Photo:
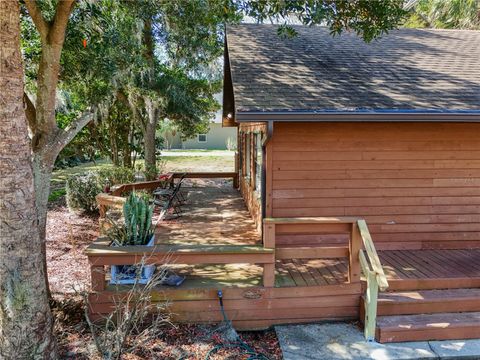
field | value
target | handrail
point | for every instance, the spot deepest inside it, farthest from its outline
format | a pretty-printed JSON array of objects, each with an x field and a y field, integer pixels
[
  {"x": 375, "y": 276},
  {"x": 372, "y": 255},
  {"x": 151, "y": 185}
]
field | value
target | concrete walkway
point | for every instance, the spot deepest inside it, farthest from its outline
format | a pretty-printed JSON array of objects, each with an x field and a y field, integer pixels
[{"x": 332, "y": 341}]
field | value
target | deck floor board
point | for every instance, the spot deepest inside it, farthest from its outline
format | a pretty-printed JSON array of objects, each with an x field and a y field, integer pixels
[
  {"x": 210, "y": 215},
  {"x": 430, "y": 264}
]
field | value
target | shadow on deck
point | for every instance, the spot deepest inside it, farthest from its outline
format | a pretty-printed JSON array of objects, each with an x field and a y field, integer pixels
[{"x": 211, "y": 216}]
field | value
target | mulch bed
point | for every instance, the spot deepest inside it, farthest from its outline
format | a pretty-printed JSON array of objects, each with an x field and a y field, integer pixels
[{"x": 68, "y": 235}]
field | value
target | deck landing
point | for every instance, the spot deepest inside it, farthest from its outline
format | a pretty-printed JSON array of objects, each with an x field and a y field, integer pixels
[{"x": 211, "y": 216}]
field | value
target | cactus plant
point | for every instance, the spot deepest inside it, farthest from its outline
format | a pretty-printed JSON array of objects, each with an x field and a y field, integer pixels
[{"x": 138, "y": 229}]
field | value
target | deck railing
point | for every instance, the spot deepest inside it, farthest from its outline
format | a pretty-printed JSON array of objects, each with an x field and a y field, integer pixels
[
  {"x": 375, "y": 278},
  {"x": 361, "y": 253},
  {"x": 116, "y": 200},
  {"x": 101, "y": 254}
]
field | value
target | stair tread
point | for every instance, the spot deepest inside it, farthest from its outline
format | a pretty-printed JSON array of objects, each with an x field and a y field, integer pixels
[
  {"x": 428, "y": 295},
  {"x": 428, "y": 321}
]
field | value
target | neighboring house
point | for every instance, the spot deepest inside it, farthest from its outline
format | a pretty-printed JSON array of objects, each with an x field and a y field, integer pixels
[
  {"x": 217, "y": 138},
  {"x": 388, "y": 132}
]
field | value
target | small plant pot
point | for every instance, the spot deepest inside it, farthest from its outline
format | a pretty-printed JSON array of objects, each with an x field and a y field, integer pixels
[{"x": 131, "y": 274}]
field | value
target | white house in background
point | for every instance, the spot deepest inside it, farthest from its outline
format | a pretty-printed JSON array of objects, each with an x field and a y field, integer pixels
[{"x": 217, "y": 138}]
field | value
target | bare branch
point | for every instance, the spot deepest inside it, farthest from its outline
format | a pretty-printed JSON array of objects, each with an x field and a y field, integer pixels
[
  {"x": 31, "y": 113},
  {"x": 41, "y": 24},
  {"x": 75, "y": 127},
  {"x": 60, "y": 21}
]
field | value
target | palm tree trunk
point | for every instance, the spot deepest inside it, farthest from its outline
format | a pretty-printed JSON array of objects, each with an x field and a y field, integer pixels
[{"x": 25, "y": 317}]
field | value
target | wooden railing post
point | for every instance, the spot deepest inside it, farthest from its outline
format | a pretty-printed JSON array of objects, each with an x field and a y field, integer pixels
[
  {"x": 269, "y": 275},
  {"x": 97, "y": 274},
  {"x": 355, "y": 246},
  {"x": 269, "y": 236},
  {"x": 269, "y": 242},
  {"x": 235, "y": 177},
  {"x": 371, "y": 296}
]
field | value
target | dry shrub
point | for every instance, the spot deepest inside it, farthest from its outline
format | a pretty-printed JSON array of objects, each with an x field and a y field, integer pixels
[{"x": 133, "y": 322}]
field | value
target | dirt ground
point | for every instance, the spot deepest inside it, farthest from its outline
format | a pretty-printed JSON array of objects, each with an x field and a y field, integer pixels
[{"x": 68, "y": 234}]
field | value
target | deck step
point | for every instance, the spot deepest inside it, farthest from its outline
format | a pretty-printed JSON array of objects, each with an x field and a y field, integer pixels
[
  {"x": 433, "y": 283},
  {"x": 422, "y": 327},
  {"x": 428, "y": 301}
]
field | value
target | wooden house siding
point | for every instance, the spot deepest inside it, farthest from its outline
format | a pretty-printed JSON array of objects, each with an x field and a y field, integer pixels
[
  {"x": 416, "y": 184},
  {"x": 251, "y": 196}
]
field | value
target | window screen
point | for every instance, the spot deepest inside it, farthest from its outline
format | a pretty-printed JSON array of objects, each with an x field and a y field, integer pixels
[
  {"x": 248, "y": 154},
  {"x": 258, "y": 161}
]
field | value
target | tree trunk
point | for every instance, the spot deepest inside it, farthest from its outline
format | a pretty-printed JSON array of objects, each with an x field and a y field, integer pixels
[
  {"x": 25, "y": 318},
  {"x": 151, "y": 107},
  {"x": 127, "y": 155},
  {"x": 42, "y": 169},
  {"x": 149, "y": 140}
]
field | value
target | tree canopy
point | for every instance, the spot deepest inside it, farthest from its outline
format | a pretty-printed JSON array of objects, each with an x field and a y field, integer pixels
[{"x": 441, "y": 14}]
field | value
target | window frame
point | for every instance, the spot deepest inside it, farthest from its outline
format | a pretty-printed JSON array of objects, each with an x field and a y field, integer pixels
[
  {"x": 198, "y": 138},
  {"x": 248, "y": 155},
  {"x": 258, "y": 151}
]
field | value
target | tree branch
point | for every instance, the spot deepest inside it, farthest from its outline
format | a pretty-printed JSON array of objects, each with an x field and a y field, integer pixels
[
  {"x": 41, "y": 24},
  {"x": 74, "y": 128},
  {"x": 31, "y": 113},
  {"x": 60, "y": 21}
]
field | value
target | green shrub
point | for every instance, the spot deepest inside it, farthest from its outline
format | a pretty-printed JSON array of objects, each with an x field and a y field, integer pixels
[
  {"x": 81, "y": 189},
  {"x": 115, "y": 175}
]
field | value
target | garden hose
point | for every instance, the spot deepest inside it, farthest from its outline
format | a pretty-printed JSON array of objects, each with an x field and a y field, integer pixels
[{"x": 239, "y": 343}]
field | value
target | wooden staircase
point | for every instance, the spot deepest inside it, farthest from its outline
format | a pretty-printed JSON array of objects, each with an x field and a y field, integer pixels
[{"x": 428, "y": 315}]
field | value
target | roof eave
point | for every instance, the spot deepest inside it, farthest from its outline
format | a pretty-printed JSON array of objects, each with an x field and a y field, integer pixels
[{"x": 360, "y": 116}]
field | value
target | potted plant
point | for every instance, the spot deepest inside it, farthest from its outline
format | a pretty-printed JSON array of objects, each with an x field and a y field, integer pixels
[{"x": 135, "y": 230}]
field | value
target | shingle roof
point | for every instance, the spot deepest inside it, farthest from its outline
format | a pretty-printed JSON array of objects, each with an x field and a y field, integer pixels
[{"x": 406, "y": 70}]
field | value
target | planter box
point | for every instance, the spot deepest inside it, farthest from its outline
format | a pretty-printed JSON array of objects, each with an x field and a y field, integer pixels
[{"x": 131, "y": 274}]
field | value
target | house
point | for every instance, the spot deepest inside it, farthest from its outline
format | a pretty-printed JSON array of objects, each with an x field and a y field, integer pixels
[
  {"x": 217, "y": 137},
  {"x": 387, "y": 132},
  {"x": 358, "y": 173}
]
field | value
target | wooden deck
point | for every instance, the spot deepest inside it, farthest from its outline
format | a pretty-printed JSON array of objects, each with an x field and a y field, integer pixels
[
  {"x": 302, "y": 290},
  {"x": 215, "y": 222},
  {"x": 212, "y": 215}
]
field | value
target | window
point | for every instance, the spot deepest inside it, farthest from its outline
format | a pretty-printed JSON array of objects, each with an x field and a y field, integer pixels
[
  {"x": 202, "y": 137},
  {"x": 240, "y": 155},
  {"x": 248, "y": 154},
  {"x": 258, "y": 161}
]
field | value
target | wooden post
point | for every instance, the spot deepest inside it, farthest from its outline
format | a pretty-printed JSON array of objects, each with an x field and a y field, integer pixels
[
  {"x": 269, "y": 242},
  {"x": 102, "y": 209},
  {"x": 371, "y": 297},
  {"x": 235, "y": 178},
  {"x": 354, "y": 251},
  {"x": 97, "y": 274},
  {"x": 269, "y": 236},
  {"x": 269, "y": 275}
]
